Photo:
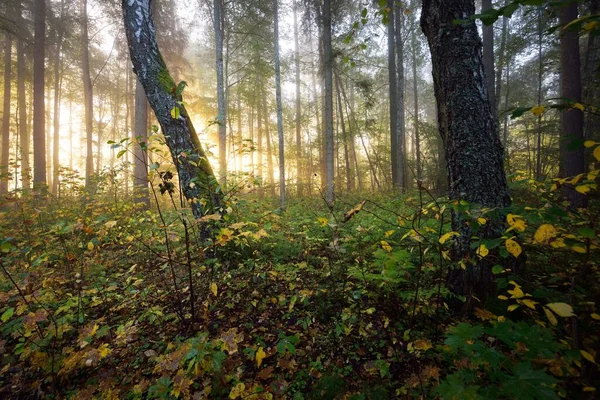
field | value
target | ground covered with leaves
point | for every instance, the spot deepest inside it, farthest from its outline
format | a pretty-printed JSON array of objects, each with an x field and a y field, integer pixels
[{"x": 99, "y": 299}]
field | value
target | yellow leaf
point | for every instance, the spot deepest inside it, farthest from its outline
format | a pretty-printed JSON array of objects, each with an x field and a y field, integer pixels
[
  {"x": 582, "y": 188},
  {"x": 537, "y": 110},
  {"x": 103, "y": 350},
  {"x": 595, "y": 316},
  {"x": 213, "y": 289},
  {"x": 550, "y": 316},
  {"x": 590, "y": 25},
  {"x": 516, "y": 222},
  {"x": 513, "y": 307},
  {"x": 561, "y": 309},
  {"x": 389, "y": 233},
  {"x": 422, "y": 344},
  {"x": 482, "y": 251},
  {"x": 579, "y": 249},
  {"x": 529, "y": 303},
  {"x": 579, "y": 106},
  {"x": 544, "y": 234},
  {"x": 513, "y": 247},
  {"x": 444, "y": 238},
  {"x": 90, "y": 246},
  {"x": 386, "y": 246},
  {"x": 597, "y": 153},
  {"x": 588, "y": 356},
  {"x": 322, "y": 221},
  {"x": 482, "y": 221},
  {"x": 589, "y": 143},
  {"x": 237, "y": 391},
  {"x": 589, "y": 389},
  {"x": 260, "y": 356},
  {"x": 175, "y": 113},
  {"x": 502, "y": 297}
]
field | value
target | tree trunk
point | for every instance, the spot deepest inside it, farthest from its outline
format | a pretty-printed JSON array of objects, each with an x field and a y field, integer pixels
[
  {"x": 416, "y": 106},
  {"x": 140, "y": 153},
  {"x": 298, "y": 118},
  {"x": 196, "y": 178},
  {"x": 39, "y": 106},
  {"x": 23, "y": 126},
  {"x": 393, "y": 94},
  {"x": 488, "y": 57},
  {"x": 572, "y": 159},
  {"x": 538, "y": 162},
  {"x": 259, "y": 140},
  {"x": 468, "y": 129},
  {"x": 282, "y": 198},
  {"x": 400, "y": 114},
  {"x": 4, "y": 171},
  {"x": 349, "y": 171},
  {"x": 222, "y": 117},
  {"x": 328, "y": 109},
  {"x": 591, "y": 79},
  {"x": 88, "y": 96},
  {"x": 57, "y": 99},
  {"x": 501, "y": 62}
]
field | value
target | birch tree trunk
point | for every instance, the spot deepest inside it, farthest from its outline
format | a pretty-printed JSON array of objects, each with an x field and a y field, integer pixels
[
  {"x": 196, "y": 178},
  {"x": 222, "y": 117}
]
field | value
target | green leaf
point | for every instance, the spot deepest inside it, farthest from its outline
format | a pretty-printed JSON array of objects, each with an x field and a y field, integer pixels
[
  {"x": 175, "y": 113},
  {"x": 7, "y": 314}
]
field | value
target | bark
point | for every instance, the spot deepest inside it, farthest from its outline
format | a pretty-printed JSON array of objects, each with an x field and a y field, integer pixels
[
  {"x": 538, "y": 163},
  {"x": 591, "y": 79},
  {"x": 466, "y": 124},
  {"x": 222, "y": 116},
  {"x": 88, "y": 96},
  {"x": 282, "y": 198},
  {"x": 259, "y": 141},
  {"x": 501, "y": 62},
  {"x": 39, "y": 107},
  {"x": 328, "y": 109},
  {"x": 400, "y": 114},
  {"x": 393, "y": 95},
  {"x": 572, "y": 159},
  {"x": 196, "y": 178},
  {"x": 349, "y": 171},
  {"x": 488, "y": 56},
  {"x": 416, "y": 106},
  {"x": 298, "y": 118},
  {"x": 141, "y": 193},
  {"x": 57, "y": 99},
  {"x": 23, "y": 126},
  {"x": 4, "y": 171}
]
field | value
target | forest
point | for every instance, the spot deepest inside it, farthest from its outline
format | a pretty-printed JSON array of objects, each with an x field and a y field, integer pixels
[{"x": 299, "y": 199}]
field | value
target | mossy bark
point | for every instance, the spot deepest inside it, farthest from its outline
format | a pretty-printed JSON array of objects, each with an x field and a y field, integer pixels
[
  {"x": 196, "y": 177},
  {"x": 474, "y": 154}
]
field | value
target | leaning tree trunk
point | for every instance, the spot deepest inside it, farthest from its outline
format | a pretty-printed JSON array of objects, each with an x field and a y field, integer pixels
[
  {"x": 467, "y": 127},
  {"x": 196, "y": 177}
]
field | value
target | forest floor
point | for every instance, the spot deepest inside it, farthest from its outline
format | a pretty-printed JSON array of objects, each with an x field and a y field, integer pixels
[{"x": 99, "y": 299}]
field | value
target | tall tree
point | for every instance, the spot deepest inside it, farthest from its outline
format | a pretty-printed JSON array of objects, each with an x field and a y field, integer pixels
[
  {"x": 24, "y": 137},
  {"x": 39, "y": 106},
  {"x": 279, "y": 107},
  {"x": 472, "y": 145},
  {"x": 488, "y": 56},
  {"x": 400, "y": 114},
  {"x": 328, "y": 101},
  {"x": 298, "y": 117},
  {"x": 571, "y": 151},
  {"x": 415, "y": 47},
  {"x": 196, "y": 177},
  {"x": 88, "y": 94},
  {"x": 6, "y": 115},
  {"x": 393, "y": 93},
  {"x": 57, "y": 98},
  {"x": 218, "y": 24}
]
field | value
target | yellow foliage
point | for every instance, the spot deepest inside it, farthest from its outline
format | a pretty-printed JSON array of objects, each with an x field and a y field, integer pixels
[
  {"x": 538, "y": 110},
  {"x": 561, "y": 309},
  {"x": 516, "y": 222},
  {"x": 544, "y": 234},
  {"x": 260, "y": 356},
  {"x": 444, "y": 238},
  {"x": 482, "y": 251},
  {"x": 513, "y": 247}
]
